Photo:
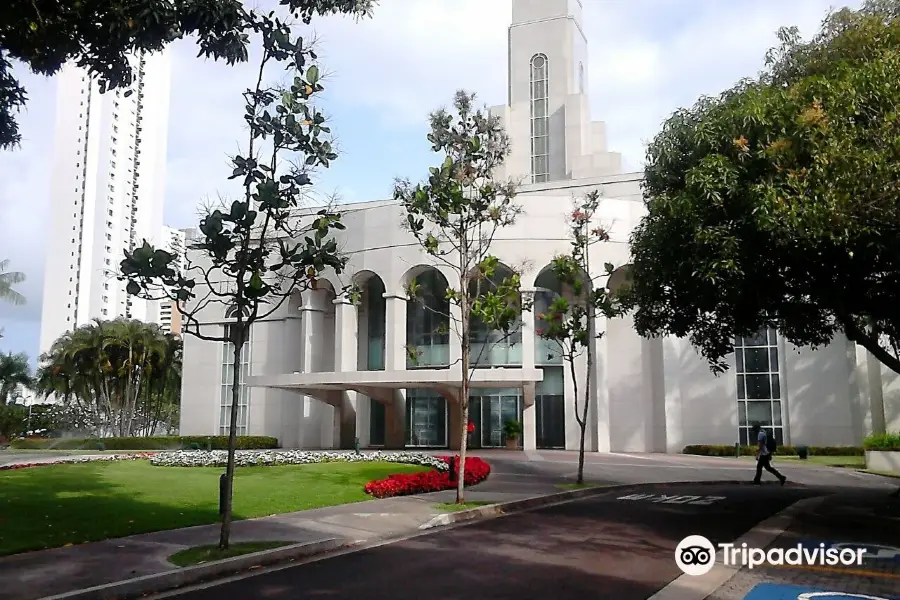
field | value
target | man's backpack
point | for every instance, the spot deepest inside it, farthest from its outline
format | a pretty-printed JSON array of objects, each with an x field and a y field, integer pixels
[{"x": 771, "y": 444}]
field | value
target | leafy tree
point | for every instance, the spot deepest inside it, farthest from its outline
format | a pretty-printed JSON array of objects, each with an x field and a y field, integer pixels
[
  {"x": 7, "y": 280},
  {"x": 13, "y": 420},
  {"x": 263, "y": 247},
  {"x": 777, "y": 203},
  {"x": 14, "y": 371},
  {"x": 455, "y": 215},
  {"x": 120, "y": 377},
  {"x": 571, "y": 318},
  {"x": 101, "y": 35}
]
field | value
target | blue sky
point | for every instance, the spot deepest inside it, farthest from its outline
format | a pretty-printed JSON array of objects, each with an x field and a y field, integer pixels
[{"x": 647, "y": 58}]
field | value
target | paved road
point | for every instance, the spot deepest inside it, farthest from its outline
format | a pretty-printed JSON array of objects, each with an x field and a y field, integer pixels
[
  {"x": 542, "y": 467},
  {"x": 7, "y": 458},
  {"x": 601, "y": 547}
]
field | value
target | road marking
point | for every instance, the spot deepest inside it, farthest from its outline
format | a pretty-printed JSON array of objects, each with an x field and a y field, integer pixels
[
  {"x": 664, "y": 499},
  {"x": 636, "y": 456}
]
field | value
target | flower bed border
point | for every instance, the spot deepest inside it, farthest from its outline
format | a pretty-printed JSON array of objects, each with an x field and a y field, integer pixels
[
  {"x": 75, "y": 460},
  {"x": 267, "y": 458}
]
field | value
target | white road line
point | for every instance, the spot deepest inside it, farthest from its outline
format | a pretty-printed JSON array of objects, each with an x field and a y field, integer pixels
[{"x": 626, "y": 454}]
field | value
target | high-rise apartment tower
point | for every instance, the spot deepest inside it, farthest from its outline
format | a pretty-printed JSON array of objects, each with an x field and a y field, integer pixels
[{"x": 107, "y": 193}]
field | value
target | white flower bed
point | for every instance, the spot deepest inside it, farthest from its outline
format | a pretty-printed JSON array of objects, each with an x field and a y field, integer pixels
[{"x": 252, "y": 458}]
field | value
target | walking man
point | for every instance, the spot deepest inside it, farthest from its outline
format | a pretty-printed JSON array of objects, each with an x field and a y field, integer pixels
[{"x": 764, "y": 451}]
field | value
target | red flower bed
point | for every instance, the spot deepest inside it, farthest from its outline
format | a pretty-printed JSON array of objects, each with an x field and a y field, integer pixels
[{"x": 405, "y": 484}]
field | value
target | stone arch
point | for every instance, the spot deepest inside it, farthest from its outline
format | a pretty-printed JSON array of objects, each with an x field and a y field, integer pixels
[
  {"x": 294, "y": 304},
  {"x": 427, "y": 318},
  {"x": 416, "y": 270},
  {"x": 619, "y": 279},
  {"x": 546, "y": 275},
  {"x": 231, "y": 311}
]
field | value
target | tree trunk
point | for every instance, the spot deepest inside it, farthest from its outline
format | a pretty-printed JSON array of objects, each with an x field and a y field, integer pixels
[
  {"x": 464, "y": 344},
  {"x": 584, "y": 417},
  {"x": 463, "y": 435},
  {"x": 238, "y": 338},
  {"x": 590, "y": 315}
]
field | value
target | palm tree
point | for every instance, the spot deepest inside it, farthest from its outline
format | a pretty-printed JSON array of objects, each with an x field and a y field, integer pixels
[
  {"x": 7, "y": 280},
  {"x": 14, "y": 371},
  {"x": 123, "y": 376}
]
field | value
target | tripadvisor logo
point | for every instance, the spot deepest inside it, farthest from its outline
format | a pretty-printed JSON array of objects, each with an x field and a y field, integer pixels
[{"x": 695, "y": 555}]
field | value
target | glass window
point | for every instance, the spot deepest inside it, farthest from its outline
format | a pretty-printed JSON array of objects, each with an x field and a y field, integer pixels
[
  {"x": 540, "y": 94},
  {"x": 427, "y": 322},
  {"x": 226, "y": 388},
  {"x": 758, "y": 385},
  {"x": 375, "y": 321}
]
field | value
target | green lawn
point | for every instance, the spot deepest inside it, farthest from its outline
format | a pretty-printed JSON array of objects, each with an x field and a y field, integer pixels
[
  {"x": 203, "y": 554},
  {"x": 48, "y": 507},
  {"x": 856, "y": 462}
]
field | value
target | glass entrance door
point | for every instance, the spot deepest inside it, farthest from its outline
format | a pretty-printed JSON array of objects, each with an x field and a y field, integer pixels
[
  {"x": 551, "y": 421},
  {"x": 491, "y": 412},
  {"x": 426, "y": 420}
]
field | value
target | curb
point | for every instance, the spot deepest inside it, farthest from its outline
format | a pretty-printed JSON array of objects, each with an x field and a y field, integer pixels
[
  {"x": 502, "y": 508},
  {"x": 167, "y": 580}
]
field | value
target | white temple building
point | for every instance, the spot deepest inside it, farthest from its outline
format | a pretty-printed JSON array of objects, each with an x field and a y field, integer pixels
[{"x": 322, "y": 372}]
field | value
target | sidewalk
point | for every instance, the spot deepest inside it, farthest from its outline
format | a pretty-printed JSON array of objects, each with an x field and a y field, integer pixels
[
  {"x": 43, "y": 573},
  {"x": 865, "y": 519}
]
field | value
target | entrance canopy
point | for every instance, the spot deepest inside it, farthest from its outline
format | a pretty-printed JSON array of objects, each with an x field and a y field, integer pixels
[{"x": 445, "y": 381}]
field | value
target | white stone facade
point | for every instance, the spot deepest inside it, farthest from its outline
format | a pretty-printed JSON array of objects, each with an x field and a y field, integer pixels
[
  {"x": 107, "y": 193},
  {"x": 322, "y": 373}
]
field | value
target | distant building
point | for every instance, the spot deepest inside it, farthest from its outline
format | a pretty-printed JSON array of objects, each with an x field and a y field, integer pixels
[
  {"x": 107, "y": 193},
  {"x": 174, "y": 241}
]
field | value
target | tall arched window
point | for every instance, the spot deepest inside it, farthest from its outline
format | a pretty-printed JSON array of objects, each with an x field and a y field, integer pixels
[
  {"x": 580, "y": 78},
  {"x": 540, "y": 121},
  {"x": 228, "y": 368}
]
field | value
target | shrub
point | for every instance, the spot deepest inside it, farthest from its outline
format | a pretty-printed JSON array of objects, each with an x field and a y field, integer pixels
[
  {"x": 405, "y": 484},
  {"x": 218, "y": 442},
  {"x": 882, "y": 441},
  {"x": 722, "y": 450}
]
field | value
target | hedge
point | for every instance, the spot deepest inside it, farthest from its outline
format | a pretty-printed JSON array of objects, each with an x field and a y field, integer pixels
[
  {"x": 173, "y": 442},
  {"x": 882, "y": 441},
  {"x": 713, "y": 450}
]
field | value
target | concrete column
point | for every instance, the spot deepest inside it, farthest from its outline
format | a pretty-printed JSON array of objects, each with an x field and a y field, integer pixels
[
  {"x": 345, "y": 351},
  {"x": 455, "y": 342},
  {"x": 528, "y": 331},
  {"x": 529, "y": 419},
  {"x": 395, "y": 360},
  {"x": 312, "y": 326},
  {"x": 529, "y": 425}
]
